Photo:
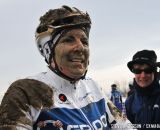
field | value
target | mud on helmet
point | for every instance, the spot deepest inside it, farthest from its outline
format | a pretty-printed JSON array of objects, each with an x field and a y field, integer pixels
[{"x": 53, "y": 23}]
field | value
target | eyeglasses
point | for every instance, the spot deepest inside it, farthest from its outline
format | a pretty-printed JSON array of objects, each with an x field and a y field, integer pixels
[{"x": 146, "y": 70}]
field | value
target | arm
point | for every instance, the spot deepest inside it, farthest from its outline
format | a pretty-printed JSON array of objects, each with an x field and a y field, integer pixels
[{"x": 22, "y": 104}]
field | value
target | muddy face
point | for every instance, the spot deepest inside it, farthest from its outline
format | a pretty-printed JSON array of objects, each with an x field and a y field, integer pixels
[{"x": 72, "y": 53}]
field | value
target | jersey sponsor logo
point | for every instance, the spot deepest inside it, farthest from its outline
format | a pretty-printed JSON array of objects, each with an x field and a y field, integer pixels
[
  {"x": 62, "y": 97},
  {"x": 98, "y": 124}
]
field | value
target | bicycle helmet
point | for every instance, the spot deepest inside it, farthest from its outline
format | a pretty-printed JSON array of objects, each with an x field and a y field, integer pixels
[{"x": 53, "y": 23}]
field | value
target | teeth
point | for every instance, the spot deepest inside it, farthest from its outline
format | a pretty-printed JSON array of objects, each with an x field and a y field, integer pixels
[{"x": 76, "y": 60}]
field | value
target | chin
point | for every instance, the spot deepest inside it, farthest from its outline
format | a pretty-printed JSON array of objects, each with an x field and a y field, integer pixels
[
  {"x": 77, "y": 76},
  {"x": 144, "y": 85}
]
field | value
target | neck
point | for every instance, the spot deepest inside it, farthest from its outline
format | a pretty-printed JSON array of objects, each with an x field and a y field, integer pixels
[
  {"x": 58, "y": 72},
  {"x": 146, "y": 90}
]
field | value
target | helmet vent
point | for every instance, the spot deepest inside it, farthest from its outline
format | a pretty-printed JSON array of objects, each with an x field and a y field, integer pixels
[{"x": 67, "y": 8}]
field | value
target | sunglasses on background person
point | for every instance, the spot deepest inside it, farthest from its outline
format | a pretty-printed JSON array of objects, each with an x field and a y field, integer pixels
[{"x": 146, "y": 70}]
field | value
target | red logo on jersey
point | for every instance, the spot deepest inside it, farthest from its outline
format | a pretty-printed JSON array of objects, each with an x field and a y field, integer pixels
[{"x": 62, "y": 97}]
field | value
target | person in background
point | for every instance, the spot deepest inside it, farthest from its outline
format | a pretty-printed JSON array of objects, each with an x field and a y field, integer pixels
[
  {"x": 116, "y": 97},
  {"x": 143, "y": 106},
  {"x": 62, "y": 97}
]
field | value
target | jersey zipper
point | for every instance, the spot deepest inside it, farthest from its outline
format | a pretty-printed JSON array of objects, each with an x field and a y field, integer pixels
[{"x": 74, "y": 103}]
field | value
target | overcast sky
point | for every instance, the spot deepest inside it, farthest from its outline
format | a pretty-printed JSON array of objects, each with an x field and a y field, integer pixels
[{"x": 119, "y": 29}]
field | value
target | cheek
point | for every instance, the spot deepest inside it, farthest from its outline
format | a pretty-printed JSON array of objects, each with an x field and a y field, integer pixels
[
  {"x": 86, "y": 52},
  {"x": 152, "y": 77},
  {"x": 137, "y": 78},
  {"x": 59, "y": 54}
]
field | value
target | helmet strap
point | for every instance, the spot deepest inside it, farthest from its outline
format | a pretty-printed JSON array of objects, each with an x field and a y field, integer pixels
[{"x": 58, "y": 72}]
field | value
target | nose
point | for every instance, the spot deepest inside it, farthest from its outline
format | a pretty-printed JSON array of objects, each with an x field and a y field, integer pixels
[
  {"x": 143, "y": 74},
  {"x": 79, "y": 45}
]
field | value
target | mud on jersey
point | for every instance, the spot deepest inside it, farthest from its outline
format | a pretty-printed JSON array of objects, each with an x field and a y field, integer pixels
[
  {"x": 48, "y": 97},
  {"x": 79, "y": 106},
  {"x": 22, "y": 103}
]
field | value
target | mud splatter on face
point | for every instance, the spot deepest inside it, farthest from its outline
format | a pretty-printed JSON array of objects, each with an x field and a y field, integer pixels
[{"x": 72, "y": 53}]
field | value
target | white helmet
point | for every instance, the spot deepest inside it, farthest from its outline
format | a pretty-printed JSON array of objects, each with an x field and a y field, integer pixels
[{"x": 53, "y": 23}]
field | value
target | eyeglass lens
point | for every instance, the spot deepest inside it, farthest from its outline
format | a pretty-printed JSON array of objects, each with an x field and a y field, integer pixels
[{"x": 139, "y": 71}]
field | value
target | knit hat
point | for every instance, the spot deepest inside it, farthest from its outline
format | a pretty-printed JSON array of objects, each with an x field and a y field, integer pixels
[
  {"x": 113, "y": 86},
  {"x": 143, "y": 57}
]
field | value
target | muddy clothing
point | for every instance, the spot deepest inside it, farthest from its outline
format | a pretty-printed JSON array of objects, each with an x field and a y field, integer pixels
[
  {"x": 79, "y": 105},
  {"x": 143, "y": 107},
  {"x": 22, "y": 103}
]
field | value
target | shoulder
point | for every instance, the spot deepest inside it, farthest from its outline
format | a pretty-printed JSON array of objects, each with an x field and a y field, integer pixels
[
  {"x": 89, "y": 80},
  {"x": 40, "y": 76},
  {"x": 27, "y": 84},
  {"x": 93, "y": 84},
  {"x": 118, "y": 92},
  {"x": 129, "y": 100},
  {"x": 29, "y": 91}
]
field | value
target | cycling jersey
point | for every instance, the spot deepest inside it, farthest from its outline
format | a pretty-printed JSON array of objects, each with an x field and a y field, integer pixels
[{"x": 78, "y": 105}]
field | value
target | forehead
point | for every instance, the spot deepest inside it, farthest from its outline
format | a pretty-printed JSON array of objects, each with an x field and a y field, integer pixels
[
  {"x": 141, "y": 66},
  {"x": 76, "y": 33}
]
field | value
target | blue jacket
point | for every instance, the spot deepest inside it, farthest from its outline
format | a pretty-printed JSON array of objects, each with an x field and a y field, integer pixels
[
  {"x": 116, "y": 98},
  {"x": 143, "y": 107}
]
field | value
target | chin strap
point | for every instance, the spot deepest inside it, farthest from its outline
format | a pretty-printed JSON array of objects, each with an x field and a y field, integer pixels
[{"x": 58, "y": 72}]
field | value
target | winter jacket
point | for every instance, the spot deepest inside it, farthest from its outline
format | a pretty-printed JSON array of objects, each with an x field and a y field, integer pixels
[{"x": 143, "y": 106}]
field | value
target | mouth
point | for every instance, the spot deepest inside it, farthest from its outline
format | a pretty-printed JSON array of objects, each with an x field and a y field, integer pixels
[
  {"x": 77, "y": 60},
  {"x": 143, "y": 80}
]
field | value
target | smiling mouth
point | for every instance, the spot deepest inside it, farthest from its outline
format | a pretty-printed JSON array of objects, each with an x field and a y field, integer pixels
[
  {"x": 77, "y": 60},
  {"x": 143, "y": 80}
]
